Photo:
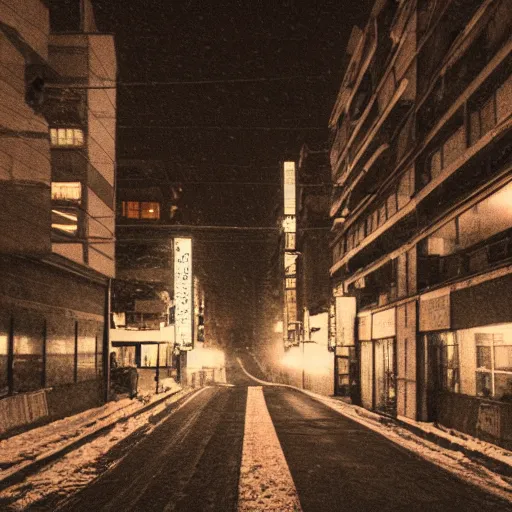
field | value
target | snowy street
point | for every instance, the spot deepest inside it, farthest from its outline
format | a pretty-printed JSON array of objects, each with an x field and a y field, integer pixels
[{"x": 255, "y": 447}]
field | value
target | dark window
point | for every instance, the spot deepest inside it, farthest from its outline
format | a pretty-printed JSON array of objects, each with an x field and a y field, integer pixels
[
  {"x": 445, "y": 359},
  {"x": 493, "y": 366},
  {"x": 65, "y": 16}
]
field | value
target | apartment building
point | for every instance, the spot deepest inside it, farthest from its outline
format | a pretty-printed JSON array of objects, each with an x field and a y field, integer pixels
[
  {"x": 57, "y": 152},
  {"x": 422, "y": 213}
]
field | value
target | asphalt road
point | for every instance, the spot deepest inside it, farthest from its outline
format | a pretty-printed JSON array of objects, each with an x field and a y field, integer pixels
[{"x": 191, "y": 462}]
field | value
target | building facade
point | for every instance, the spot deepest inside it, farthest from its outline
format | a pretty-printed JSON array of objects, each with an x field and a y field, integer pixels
[
  {"x": 313, "y": 284},
  {"x": 158, "y": 302},
  {"x": 57, "y": 152},
  {"x": 422, "y": 213},
  {"x": 301, "y": 357}
]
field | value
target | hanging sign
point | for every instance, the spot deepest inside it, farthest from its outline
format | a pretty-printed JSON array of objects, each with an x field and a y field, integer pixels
[
  {"x": 289, "y": 188},
  {"x": 345, "y": 321},
  {"x": 435, "y": 312},
  {"x": 183, "y": 293},
  {"x": 383, "y": 324}
]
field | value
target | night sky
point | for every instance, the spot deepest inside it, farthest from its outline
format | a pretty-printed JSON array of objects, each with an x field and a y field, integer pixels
[{"x": 225, "y": 90}]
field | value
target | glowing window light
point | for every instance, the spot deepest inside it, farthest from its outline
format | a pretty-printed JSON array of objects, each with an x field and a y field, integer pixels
[
  {"x": 65, "y": 221},
  {"x": 67, "y": 191},
  {"x": 147, "y": 210},
  {"x": 67, "y": 137}
]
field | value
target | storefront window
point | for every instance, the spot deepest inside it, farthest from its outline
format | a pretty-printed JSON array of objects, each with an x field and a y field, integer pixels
[
  {"x": 28, "y": 351},
  {"x": 60, "y": 351},
  {"x": 99, "y": 348},
  {"x": 449, "y": 361},
  {"x": 444, "y": 361},
  {"x": 125, "y": 355},
  {"x": 494, "y": 366},
  {"x": 385, "y": 375},
  {"x": 86, "y": 351},
  {"x": 149, "y": 354}
]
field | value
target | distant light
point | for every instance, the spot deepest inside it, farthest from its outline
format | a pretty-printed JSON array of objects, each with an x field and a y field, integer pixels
[{"x": 151, "y": 210}]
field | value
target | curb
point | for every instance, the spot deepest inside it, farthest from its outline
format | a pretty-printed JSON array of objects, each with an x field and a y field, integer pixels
[
  {"x": 20, "y": 472},
  {"x": 491, "y": 463},
  {"x": 495, "y": 465}
]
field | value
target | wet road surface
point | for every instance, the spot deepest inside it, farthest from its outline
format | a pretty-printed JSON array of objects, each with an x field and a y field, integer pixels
[{"x": 191, "y": 462}]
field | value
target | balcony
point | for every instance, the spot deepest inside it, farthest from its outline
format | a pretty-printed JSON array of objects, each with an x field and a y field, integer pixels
[
  {"x": 133, "y": 326},
  {"x": 149, "y": 275},
  {"x": 434, "y": 270}
]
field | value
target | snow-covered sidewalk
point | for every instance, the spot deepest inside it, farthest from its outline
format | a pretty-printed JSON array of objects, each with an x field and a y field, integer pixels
[{"x": 22, "y": 450}]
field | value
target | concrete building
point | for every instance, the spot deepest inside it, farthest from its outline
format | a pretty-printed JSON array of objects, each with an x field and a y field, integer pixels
[
  {"x": 146, "y": 302},
  {"x": 57, "y": 154},
  {"x": 422, "y": 213},
  {"x": 313, "y": 285},
  {"x": 296, "y": 297}
]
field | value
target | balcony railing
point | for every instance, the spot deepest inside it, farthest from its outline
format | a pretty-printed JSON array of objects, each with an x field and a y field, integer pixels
[
  {"x": 434, "y": 270},
  {"x": 142, "y": 321}
]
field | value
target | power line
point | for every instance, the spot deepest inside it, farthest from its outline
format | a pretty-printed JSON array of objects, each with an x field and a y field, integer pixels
[
  {"x": 158, "y": 83},
  {"x": 232, "y": 182},
  {"x": 216, "y": 127},
  {"x": 182, "y": 227}
]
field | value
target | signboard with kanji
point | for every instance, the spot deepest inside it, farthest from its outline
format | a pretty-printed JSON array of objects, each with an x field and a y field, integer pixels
[{"x": 183, "y": 293}]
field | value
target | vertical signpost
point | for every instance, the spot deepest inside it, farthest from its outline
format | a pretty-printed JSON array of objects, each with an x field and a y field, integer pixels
[{"x": 183, "y": 293}]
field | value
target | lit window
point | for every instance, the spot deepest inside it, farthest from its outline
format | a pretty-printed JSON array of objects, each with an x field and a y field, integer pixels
[
  {"x": 290, "y": 241},
  {"x": 493, "y": 366},
  {"x": 149, "y": 210},
  {"x": 291, "y": 282},
  {"x": 149, "y": 355},
  {"x": 67, "y": 137},
  {"x": 67, "y": 191},
  {"x": 141, "y": 210},
  {"x": 65, "y": 221}
]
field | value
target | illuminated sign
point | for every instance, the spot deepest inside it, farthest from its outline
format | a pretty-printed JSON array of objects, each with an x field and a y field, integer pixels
[
  {"x": 183, "y": 293},
  {"x": 290, "y": 224},
  {"x": 345, "y": 321},
  {"x": 290, "y": 264},
  {"x": 289, "y": 188}
]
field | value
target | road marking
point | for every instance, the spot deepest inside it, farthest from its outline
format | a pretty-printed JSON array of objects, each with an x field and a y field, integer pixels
[{"x": 265, "y": 479}]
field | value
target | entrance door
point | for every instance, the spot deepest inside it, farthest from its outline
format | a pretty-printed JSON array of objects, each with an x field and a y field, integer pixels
[{"x": 385, "y": 376}]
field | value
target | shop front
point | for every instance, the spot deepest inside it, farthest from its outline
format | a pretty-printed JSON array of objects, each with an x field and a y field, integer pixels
[
  {"x": 384, "y": 361},
  {"x": 466, "y": 340},
  {"x": 345, "y": 357},
  {"x": 377, "y": 348}
]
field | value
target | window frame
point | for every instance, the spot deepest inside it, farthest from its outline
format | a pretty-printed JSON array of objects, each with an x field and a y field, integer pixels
[
  {"x": 75, "y": 134},
  {"x": 496, "y": 340},
  {"x": 134, "y": 210}
]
